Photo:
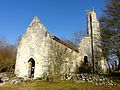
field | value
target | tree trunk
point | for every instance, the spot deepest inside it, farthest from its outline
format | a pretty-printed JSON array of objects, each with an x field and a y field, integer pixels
[
  {"x": 108, "y": 66},
  {"x": 118, "y": 55}
]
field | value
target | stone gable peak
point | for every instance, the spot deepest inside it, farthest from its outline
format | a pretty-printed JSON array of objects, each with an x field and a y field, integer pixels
[
  {"x": 36, "y": 24},
  {"x": 35, "y": 20}
]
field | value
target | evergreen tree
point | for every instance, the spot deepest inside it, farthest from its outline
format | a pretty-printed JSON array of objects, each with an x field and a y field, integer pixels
[{"x": 110, "y": 27}]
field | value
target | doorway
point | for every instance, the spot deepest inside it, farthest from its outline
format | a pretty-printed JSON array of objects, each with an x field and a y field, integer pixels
[{"x": 31, "y": 68}]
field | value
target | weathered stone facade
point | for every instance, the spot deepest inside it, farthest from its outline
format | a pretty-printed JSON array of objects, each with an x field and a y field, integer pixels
[
  {"x": 34, "y": 49},
  {"x": 33, "y": 44},
  {"x": 85, "y": 44}
]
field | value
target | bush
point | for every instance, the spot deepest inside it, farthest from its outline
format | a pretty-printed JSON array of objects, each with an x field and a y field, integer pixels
[
  {"x": 85, "y": 68},
  {"x": 7, "y": 57}
]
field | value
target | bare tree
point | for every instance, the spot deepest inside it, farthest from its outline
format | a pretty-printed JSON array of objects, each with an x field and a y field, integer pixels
[
  {"x": 57, "y": 56},
  {"x": 7, "y": 56},
  {"x": 60, "y": 61},
  {"x": 77, "y": 37}
]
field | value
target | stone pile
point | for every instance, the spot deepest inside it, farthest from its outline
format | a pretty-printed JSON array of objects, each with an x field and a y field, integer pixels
[
  {"x": 5, "y": 79},
  {"x": 97, "y": 79},
  {"x": 16, "y": 80}
]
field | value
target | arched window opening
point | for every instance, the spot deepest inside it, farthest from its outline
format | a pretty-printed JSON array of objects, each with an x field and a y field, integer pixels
[{"x": 85, "y": 59}]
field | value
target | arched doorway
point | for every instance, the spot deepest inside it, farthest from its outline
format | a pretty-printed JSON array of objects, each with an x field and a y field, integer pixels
[
  {"x": 85, "y": 59},
  {"x": 31, "y": 68}
]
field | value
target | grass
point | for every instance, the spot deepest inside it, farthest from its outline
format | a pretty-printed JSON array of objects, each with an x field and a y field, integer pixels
[{"x": 43, "y": 85}]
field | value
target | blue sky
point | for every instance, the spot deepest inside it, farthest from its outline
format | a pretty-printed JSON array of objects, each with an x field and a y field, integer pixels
[{"x": 61, "y": 17}]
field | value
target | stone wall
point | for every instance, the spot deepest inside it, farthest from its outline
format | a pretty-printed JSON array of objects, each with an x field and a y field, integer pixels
[
  {"x": 36, "y": 44},
  {"x": 33, "y": 44},
  {"x": 85, "y": 44}
]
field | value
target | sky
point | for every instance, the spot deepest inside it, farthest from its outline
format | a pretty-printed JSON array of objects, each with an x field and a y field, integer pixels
[{"x": 61, "y": 17}]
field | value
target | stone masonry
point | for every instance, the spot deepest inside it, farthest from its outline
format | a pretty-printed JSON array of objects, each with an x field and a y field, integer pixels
[{"x": 34, "y": 46}]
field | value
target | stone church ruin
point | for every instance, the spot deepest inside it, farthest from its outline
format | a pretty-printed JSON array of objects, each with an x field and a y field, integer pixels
[{"x": 34, "y": 49}]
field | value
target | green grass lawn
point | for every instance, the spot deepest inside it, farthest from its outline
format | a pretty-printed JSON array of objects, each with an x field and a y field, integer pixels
[{"x": 43, "y": 85}]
